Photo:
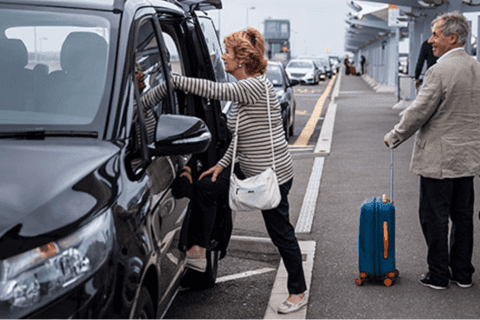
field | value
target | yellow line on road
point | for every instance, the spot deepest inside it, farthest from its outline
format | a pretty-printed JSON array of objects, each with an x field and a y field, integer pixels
[{"x": 309, "y": 128}]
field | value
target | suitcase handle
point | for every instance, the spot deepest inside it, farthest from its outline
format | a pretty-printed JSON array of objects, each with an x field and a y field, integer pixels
[
  {"x": 385, "y": 240},
  {"x": 391, "y": 175}
]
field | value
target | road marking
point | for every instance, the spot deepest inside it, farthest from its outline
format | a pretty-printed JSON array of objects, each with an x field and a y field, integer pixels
[
  {"x": 309, "y": 128},
  {"x": 279, "y": 293},
  {"x": 244, "y": 275},
  {"x": 307, "y": 212},
  {"x": 324, "y": 142}
]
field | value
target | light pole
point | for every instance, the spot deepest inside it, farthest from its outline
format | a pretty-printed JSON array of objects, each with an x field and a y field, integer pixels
[{"x": 251, "y": 8}]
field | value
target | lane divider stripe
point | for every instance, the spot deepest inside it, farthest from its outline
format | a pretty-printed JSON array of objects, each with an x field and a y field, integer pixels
[
  {"x": 309, "y": 128},
  {"x": 244, "y": 275},
  {"x": 307, "y": 212}
]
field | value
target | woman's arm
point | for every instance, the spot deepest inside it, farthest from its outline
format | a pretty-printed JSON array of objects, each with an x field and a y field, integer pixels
[{"x": 245, "y": 91}]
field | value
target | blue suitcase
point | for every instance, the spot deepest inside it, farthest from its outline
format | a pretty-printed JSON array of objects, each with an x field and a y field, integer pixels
[{"x": 376, "y": 238}]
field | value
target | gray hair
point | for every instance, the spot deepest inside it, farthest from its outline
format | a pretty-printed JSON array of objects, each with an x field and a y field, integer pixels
[{"x": 454, "y": 22}]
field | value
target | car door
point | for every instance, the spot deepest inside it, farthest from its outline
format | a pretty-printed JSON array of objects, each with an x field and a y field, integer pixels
[{"x": 167, "y": 207}]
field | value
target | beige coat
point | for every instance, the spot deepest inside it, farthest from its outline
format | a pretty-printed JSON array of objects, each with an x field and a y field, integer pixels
[{"x": 446, "y": 114}]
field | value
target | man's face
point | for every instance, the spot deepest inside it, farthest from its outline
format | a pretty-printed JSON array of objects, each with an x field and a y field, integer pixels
[{"x": 439, "y": 41}]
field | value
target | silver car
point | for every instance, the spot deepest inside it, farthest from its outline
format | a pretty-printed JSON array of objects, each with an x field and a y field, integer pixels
[{"x": 304, "y": 70}]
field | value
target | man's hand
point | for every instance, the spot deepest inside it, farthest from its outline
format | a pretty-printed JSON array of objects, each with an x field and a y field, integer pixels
[
  {"x": 187, "y": 173},
  {"x": 416, "y": 83},
  {"x": 386, "y": 142},
  {"x": 214, "y": 171}
]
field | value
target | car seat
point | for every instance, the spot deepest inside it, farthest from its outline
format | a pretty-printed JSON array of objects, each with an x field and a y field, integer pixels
[
  {"x": 15, "y": 80},
  {"x": 77, "y": 88}
]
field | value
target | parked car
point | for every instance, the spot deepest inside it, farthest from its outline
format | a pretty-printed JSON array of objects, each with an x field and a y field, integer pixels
[
  {"x": 304, "y": 70},
  {"x": 93, "y": 217},
  {"x": 283, "y": 87}
]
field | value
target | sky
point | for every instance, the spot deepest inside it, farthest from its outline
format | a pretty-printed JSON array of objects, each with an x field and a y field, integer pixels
[{"x": 315, "y": 24}]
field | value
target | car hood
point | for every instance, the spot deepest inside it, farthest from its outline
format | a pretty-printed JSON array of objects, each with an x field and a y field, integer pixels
[{"x": 46, "y": 186}]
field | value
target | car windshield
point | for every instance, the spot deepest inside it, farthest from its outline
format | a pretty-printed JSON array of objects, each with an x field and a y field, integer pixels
[
  {"x": 300, "y": 64},
  {"x": 274, "y": 74},
  {"x": 53, "y": 67}
]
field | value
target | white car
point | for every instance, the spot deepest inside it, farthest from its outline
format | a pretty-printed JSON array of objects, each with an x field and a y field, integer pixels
[{"x": 305, "y": 70}]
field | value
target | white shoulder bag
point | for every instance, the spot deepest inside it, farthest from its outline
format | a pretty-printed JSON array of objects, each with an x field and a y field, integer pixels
[{"x": 260, "y": 192}]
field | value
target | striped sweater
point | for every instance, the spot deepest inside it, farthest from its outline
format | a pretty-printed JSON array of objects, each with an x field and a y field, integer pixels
[{"x": 254, "y": 149}]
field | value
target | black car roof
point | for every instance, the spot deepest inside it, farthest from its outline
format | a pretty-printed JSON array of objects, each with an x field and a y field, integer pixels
[{"x": 118, "y": 5}]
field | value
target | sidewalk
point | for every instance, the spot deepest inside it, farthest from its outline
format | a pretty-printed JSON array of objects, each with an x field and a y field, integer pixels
[{"x": 358, "y": 168}]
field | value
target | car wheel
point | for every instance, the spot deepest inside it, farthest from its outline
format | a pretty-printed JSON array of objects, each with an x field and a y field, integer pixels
[{"x": 144, "y": 308}]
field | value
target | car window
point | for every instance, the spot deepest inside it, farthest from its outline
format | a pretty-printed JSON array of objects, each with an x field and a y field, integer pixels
[
  {"x": 214, "y": 48},
  {"x": 52, "y": 67},
  {"x": 300, "y": 64},
  {"x": 274, "y": 74},
  {"x": 149, "y": 62}
]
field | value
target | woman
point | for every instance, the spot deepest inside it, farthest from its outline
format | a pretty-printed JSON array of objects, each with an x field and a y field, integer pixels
[{"x": 244, "y": 59}]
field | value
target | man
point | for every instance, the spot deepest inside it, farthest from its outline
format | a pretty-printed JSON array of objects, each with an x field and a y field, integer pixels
[
  {"x": 446, "y": 114},
  {"x": 425, "y": 55},
  {"x": 346, "y": 62},
  {"x": 362, "y": 63}
]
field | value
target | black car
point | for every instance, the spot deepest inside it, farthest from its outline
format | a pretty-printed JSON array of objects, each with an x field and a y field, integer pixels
[
  {"x": 284, "y": 89},
  {"x": 93, "y": 218}
]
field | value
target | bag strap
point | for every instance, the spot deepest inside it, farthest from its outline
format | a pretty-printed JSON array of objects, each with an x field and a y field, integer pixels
[{"x": 235, "y": 135}]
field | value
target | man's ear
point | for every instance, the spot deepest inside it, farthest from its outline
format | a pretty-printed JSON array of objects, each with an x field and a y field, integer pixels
[{"x": 453, "y": 38}]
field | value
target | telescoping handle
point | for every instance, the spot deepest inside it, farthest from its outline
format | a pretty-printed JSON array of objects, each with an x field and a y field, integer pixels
[
  {"x": 391, "y": 175},
  {"x": 391, "y": 180}
]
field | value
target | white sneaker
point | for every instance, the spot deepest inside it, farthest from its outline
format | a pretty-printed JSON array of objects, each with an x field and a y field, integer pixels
[
  {"x": 288, "y": 307},
  {"x": 197, "y": 264}
]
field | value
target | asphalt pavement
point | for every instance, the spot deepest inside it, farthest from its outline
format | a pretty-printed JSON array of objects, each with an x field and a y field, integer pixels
[{"x": 357, "y": 167}]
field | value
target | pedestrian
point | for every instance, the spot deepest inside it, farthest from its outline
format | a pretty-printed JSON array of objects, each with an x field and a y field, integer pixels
[
  {"x": 446, "y": 114},
  {"x": 244, "y": 59},
  {"x": 346, "y": 62},
  {"x": 362, "y": 63},
  {"x": 425, "y": 55}
]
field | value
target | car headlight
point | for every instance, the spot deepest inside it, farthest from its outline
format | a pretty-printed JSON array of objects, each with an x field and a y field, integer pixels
[
  {"x": 309, "y": 74},
  {"x": 34, "y": 278},
  {"x": 289, "y": 74}
]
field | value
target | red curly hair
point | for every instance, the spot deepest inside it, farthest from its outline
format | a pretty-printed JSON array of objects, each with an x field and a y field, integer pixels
[{"x": 248, "y": 48}]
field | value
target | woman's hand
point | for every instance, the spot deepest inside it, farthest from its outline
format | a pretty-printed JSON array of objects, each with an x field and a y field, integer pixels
[
  {"x": 214, "y": 171},
  {"x": 187, "y": 173}
]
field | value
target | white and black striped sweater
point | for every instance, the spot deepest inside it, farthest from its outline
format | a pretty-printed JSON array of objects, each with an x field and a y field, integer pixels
[{"x": 254, "y": 149}]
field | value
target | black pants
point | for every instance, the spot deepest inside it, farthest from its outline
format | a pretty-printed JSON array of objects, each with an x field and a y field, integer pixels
[
  {"x": 439, "y": 201},
  {"x": 277, "y": 222},
  {"x": 282, "y": 233}
]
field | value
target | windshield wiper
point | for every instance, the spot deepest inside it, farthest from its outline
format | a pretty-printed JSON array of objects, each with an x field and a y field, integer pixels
[{"x": 41, "y": 134}]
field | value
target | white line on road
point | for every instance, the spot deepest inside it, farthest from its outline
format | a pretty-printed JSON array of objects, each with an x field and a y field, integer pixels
[
  {"x": 244, "y": 275},
  {"x": 307, "y": 212}
]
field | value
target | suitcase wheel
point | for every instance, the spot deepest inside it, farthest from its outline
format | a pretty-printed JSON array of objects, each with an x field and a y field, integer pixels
[
  {"x": 361, "y": 279},
  {"x": 389, "y": 278},
  {"x": 388, "y": 282}
]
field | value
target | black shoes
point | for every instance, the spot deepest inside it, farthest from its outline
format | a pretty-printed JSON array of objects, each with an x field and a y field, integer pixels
[
  {"x": 463, "y": 285},
  {"x": 426, "y": 281}
]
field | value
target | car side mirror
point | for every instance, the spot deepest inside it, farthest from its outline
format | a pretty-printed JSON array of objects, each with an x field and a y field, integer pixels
[{"x": 179, "y": 134}]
